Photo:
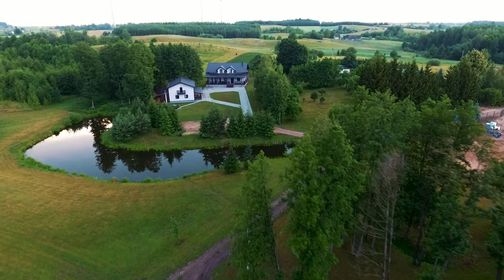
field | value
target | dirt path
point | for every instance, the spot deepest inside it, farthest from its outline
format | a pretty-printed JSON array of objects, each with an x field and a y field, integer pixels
[
  {"x": 191, "y": 127},
  {"x": 288, "y": 132},
  {"x": 495, "y": 114},
  {"x": 203, "y": 266}
]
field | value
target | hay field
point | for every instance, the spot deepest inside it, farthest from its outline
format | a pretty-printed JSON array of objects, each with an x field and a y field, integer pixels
[
  {"x": 228, "y": 49},
  {"x": 57, "y": 226}
]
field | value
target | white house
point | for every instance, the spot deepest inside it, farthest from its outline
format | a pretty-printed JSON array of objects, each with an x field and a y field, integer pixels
[{"x": 180, "y": 90}]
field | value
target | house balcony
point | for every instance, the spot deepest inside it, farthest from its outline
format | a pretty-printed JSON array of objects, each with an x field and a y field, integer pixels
[{"x": 227, "y": 81}]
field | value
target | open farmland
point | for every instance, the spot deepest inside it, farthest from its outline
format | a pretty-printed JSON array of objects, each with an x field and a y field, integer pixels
[{"x": 211, "y": 49}]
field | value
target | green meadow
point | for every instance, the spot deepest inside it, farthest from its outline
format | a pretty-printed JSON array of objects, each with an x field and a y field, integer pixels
[{"x": 243, "y": 49}]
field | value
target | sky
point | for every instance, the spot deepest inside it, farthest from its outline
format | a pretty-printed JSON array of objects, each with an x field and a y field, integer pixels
[{"x": 67, "y": 12}]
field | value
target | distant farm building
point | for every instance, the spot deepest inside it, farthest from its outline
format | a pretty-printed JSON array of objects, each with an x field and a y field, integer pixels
[
  {"x": 229, "y": 74},
  {"x": 350, "y": 37},
  {"x": 180, "y": 90}
]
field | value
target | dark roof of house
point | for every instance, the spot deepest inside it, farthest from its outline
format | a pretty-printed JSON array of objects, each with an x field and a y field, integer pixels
[
  {"x": 182, "y": 80},
  {"x": 238, "y": 66}
]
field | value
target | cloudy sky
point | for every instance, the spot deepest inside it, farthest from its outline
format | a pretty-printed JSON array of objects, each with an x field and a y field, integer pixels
[{"x": 66, "y": 12}]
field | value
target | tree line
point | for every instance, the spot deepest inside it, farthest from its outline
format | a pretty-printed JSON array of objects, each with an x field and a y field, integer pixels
[
  {"x": 412, "y": 185},
  {"x": 40, "y": 68},
  {"x": 407, "y": 131},
  {"x": 453, "y": 43},
  {"x": 288, "y": 22},
  {"x": 474, "y": 78},
  {"x": 216, "y": 125},
  {"x": 226, "y": 30}
]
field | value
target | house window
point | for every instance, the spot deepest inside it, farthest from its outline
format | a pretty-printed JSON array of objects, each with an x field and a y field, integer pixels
[
  {"x": 238, "y": 79},
  {"x": 177, "y": 96},
  {"x": 186, "y": 96}
]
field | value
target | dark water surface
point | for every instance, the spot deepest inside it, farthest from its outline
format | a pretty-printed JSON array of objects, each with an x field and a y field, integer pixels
[{"x": 78, "y": 150}]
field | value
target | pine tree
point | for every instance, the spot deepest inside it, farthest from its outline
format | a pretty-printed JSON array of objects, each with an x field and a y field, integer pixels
[
  {"x": 249, "y": 123},
  {"x": 237, "y": 127},
  {"x": 324, "y": 187},
  {"x": 254, "y": 243},
  {"x": 212, "y": 125},
  {"x": 155, "y": 114},
  {"x": 309, "y": 242},
  {"x": 495, "y": 242},
  {"x": 168, "y": 120},
  {"x": 264, "y": 125}
]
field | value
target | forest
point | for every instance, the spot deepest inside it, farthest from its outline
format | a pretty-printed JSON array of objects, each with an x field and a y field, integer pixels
[
  {"x": 288, "y": 22},
  {"x": 223, "y": 30},
  {"x": 39, "y": 69},
  {"x": 414, "y": 189},
  {"x": 453, "y": 43}
]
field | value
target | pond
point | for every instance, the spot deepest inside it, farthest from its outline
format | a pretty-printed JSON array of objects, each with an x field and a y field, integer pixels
[{"x": 78, "y": 150}]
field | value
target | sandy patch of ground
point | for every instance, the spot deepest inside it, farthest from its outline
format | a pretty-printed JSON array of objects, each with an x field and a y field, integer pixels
[
  {"x": 191, "y": 127},
  {"x": 495, "y": 114}
]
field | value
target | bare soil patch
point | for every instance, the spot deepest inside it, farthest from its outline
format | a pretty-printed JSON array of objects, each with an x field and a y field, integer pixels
[{"x": 191, "y": 127}]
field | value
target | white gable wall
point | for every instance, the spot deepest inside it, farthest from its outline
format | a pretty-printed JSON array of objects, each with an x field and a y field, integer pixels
[{"x": 188, "y": 96}]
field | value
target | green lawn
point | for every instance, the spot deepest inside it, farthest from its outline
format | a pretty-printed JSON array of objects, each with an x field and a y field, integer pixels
[
  {"x": 246, "y": 57},
  {"x": 57, "y": 226},
  {"x": 196, "y": 111},
  {"x": 314, "y": 109},
  {"x": 229, "y": 96},
  {"x": 251, "y": 94}
]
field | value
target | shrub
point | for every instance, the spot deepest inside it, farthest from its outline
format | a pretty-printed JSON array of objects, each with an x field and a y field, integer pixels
[
  {"x": 237, "y": 127},
  {"x": 128, "y": 124},
  {"x": 491, "y": 97},
  {"x": 314, "y": 96},
  {"x": 250, "y": 126},
  {"x": 433, "y": 62},
  {"x": 155, "y": 114},
  {"x": 168, "y": 119},
  {"x": 264, "y": 124},
  {"x": 231, "y": 162},
  {"x": 213, "y": 125}
]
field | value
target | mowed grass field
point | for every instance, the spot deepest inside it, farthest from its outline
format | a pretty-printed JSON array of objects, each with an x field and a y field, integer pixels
[
  {"x": 232, "y": 96},
  {"x": 57, "y": 226},
  {"x": 313, "y": 110},
  {"x": 196, "y": 111},
  {"x": 222, "y": 50}
]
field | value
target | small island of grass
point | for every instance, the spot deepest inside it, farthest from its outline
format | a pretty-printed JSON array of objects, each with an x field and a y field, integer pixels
[{"x": 154, "y": 140}]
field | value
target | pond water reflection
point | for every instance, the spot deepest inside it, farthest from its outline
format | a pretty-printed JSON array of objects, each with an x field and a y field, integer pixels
[{"x": 78, "y": 150}]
